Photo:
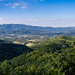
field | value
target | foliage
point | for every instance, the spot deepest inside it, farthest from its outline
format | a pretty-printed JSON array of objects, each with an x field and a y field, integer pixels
[
  {"x": 9, "y": 50},
  {"x": 54, "y": 57}
]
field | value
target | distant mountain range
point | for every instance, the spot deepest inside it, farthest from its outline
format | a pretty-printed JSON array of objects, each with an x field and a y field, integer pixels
[
  {"x": 35, "y": 30},
  {"x": 29, "y": 27},
  {"x": 22, "y": 26}
]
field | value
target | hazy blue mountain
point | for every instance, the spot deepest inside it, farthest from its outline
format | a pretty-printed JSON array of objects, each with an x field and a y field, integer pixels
[
  {"x": 27, "y": 27},
  {"x": 35, "y": 30}
]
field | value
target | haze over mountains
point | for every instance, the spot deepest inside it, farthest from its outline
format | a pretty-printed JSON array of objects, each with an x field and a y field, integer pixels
[
  {"x": 34, "y": 30},
  {"x": 29, "y": 27}
]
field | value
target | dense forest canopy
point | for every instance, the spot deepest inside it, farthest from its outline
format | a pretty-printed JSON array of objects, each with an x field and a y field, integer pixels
[
  {"x": 51, "y": 57},
  {"x": 10, "y": 50}
]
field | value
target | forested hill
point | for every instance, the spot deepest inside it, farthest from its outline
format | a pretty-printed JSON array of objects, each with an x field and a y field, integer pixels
[
  {"x": 3, "y": 41},
  {"x": 7, "y": 30},
  {"x": 61, "y": 40},
  {"x": 7, "y": 27},
  {"x": 54, "y": 57},
  {"x": 9, "y": 50},
  {"x": 21, "y": 26}
]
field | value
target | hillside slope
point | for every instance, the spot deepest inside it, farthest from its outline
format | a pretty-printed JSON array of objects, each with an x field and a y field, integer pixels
[
  {"x": 9, "y": 50},
  {"x": 54, "y": 57},
  {"x": 3, "y": 41},
  {"x": 60, "y": 40}
]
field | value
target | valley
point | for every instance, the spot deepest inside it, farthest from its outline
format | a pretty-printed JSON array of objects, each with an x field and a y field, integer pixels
[
  {"x": 37, "y": 37},
  {"x": 30, "y": 53},
  {"x": 30, "y": 35}
]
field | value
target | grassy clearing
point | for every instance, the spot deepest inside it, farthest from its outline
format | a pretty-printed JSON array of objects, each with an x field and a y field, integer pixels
[
  {"x": 30, "y": 44},
  {"x": 16, "y": 42}
]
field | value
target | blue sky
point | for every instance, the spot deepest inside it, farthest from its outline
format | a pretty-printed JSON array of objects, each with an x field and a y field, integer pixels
[{"x": 52, "y": 13}]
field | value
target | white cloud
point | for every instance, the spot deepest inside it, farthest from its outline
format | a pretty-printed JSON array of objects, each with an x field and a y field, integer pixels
[
  {"x": 37, "y": 19},
  {"x": 21, "y": 4},
  {"x": 16, "y": 4},
  {"x": 54, "y": 22},
  {"x": 13, "y": 6},
  {"x": 46, "y": 22},
  {"x": 47, "y": 19}
]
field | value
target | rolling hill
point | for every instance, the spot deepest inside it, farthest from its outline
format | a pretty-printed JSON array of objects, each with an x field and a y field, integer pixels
[{"x": 52, "y": 57}]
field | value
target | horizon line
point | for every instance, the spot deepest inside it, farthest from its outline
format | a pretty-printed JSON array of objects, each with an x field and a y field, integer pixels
[{"x": 38, "y": 26}]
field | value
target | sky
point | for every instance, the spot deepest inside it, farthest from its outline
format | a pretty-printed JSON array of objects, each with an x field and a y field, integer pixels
[{"x": 46, "y": 13}]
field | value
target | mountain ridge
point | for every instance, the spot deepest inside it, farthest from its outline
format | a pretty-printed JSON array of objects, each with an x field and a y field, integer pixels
[{"x": 23, "y": 26}]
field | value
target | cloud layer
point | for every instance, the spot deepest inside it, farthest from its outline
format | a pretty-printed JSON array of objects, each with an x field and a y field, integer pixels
[{"x": 46, "y": 22}]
